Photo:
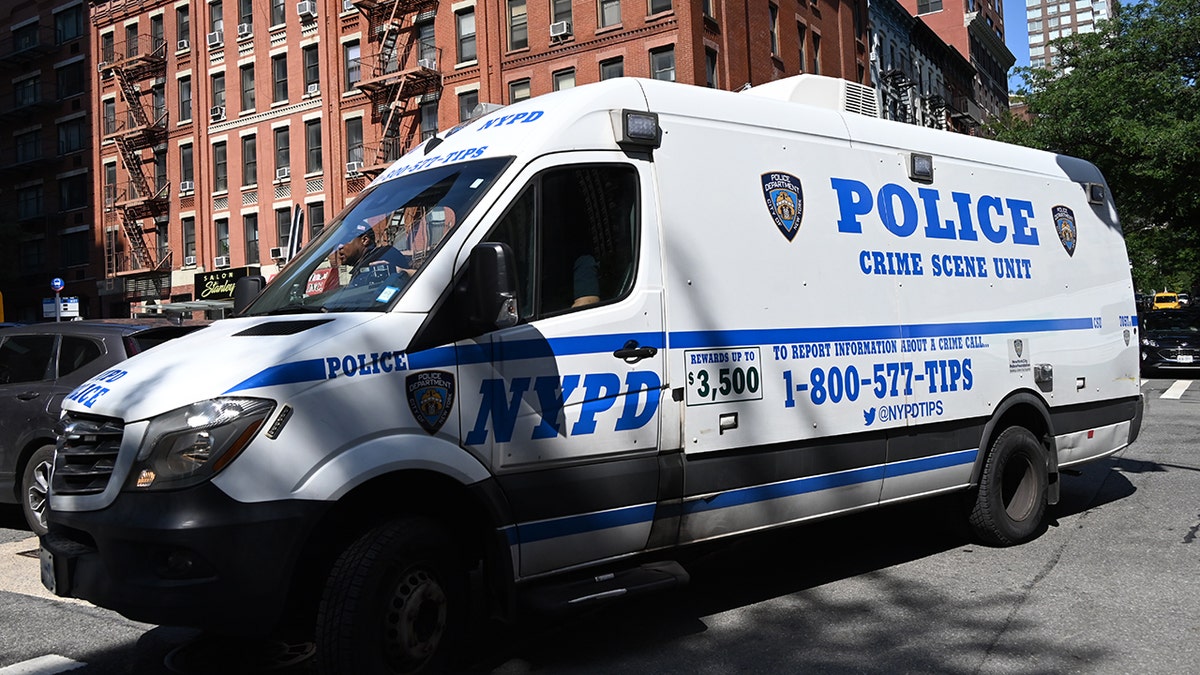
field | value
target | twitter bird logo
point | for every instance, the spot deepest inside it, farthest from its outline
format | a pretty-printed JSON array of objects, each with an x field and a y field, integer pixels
[{"x": 869, "y": 417}]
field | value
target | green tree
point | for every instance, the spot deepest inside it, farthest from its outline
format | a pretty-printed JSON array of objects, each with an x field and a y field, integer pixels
[{"x": 1125, "y": 98}]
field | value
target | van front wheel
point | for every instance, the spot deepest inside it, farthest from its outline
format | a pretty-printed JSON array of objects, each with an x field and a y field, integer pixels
[
  {"x": 1011, "y": 501},
  {"x": 395, "y": 602}
]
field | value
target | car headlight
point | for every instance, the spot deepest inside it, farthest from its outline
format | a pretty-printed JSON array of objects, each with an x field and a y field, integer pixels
[{"x": 191, "y": 444}]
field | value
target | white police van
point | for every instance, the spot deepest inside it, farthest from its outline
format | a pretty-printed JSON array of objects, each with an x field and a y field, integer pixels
[{"x": 548, "y": 348}]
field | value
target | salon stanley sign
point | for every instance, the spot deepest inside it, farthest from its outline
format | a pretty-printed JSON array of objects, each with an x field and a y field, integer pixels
[{"x": 218, "y": 285}]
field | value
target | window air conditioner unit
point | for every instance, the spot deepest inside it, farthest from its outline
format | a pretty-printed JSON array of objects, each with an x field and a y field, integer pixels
[
  {"x": 282, "y": 173},
  {"x": 354, "y": 168},
  {"x": 347, "y": 5},
  {"x": 245, "y": 30},
  {"x": 221, "y": 261},
  {"x": 189, "y": 261},
  {"x": 278, "y": 253},
  {"x": 182, "y": 46},
  {"x": 307, "y": 9},
  {"x": 217, "y": 113},
  {"x": 560, "y": 29},
  {"x": 313, "y": 89},
  {"x": 427, "y": 64},
  {"x": 187, "y": 186},
  {"x": 216, "y": 39},
  {"x": 102, "y": 66}
]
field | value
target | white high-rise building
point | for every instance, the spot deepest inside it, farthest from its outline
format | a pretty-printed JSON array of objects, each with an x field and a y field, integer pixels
[{"x": 1050, "y": 19}]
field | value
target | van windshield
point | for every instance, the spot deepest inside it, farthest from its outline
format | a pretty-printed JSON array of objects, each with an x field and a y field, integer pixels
[{"x": 365, "y": 258}]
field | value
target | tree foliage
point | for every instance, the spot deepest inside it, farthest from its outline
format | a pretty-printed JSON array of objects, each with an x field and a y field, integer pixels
[{"x": 1126, "y": 99}]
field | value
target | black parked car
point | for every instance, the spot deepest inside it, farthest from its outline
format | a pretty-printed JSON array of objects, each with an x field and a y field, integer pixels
[
  {"x": 1170, "y": 339},
  {"x": 39, "y": 365}
]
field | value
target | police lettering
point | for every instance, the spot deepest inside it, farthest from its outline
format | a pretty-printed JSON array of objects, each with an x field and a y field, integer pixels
[
  {"x": 365, "y": 364},
  {"x": 902, "y": 213}
]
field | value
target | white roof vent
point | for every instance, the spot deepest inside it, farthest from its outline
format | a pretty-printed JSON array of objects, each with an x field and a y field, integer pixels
[{"x": 826, "y": 92}]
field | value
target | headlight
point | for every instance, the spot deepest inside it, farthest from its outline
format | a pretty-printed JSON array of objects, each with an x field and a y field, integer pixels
[{"x": 191, "y": 444}]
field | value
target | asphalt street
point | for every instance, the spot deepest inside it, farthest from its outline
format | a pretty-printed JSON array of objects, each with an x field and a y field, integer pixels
[{"x": 1110, "y": 587}]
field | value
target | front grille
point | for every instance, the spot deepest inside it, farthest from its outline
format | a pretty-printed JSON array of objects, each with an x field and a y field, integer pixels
[{"x": 87, "y": 453}]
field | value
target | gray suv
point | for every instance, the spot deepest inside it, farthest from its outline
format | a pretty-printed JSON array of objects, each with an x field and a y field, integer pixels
[{"x": 39, "y": 365}]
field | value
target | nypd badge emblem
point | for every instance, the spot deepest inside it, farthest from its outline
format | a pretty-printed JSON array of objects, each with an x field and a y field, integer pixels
[
  {"x": 1064, "y": 224},
  {"x": 431, "y": 398},
  {"x": 785, "y": 201}
]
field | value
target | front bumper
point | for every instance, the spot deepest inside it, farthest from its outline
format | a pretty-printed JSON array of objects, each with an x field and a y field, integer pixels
[{"x": 192, "y": 557}]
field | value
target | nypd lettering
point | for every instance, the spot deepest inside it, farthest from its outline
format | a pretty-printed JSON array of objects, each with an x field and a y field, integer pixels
[
  {"x": 509, "y": 120},
  {"x": 588, "y": 397},
  {"x": 897, "y": 210}
]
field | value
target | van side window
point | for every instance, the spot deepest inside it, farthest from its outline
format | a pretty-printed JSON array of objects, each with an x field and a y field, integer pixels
[{"x": 573, "y": 233}]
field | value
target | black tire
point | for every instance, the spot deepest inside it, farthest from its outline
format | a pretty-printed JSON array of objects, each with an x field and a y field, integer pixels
[
  {"x": 1011, "y": 501},
  {"x": 395, "y": 602},
  {"x": 35, "y": 488}
]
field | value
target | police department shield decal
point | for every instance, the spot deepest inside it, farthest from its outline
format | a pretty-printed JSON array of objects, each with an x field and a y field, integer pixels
[
  {"x": 431, "y": 398},
  {"x": 1064, "y": 224},
  {"x": 1019, "y": 347},
  {"x": 785, "y": 201}
]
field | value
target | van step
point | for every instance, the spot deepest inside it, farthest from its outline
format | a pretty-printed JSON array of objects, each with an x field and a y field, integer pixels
[{"x": 577, "y": 594}]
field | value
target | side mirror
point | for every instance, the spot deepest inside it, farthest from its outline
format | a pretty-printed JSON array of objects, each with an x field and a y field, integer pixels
[
  {"x": 491, "y": 286},
  {"x": 245, "y": 290}
]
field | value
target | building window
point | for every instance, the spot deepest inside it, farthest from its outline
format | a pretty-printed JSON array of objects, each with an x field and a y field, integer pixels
[
  {"x": 312, "y": 146},
  {"x": 162, "y": 238},
  {"x": 312, "y": 66},
  {"x": 560, "y": 10},
  {"x": 131, "y": 40},
  {"x": 429, "y": 119},
  {"x": 186, "y": 167},
  {"x": 183, "y": 25},
  {"x": 354, "y": 139},
  {"x": 278, "y": 12},
  {"x": 707, "y": 8},
  {"x": 109, "y": 115},
  {"x": 657, "y": 6},
  {"x": 222, "y": 227},
  {"x": 612, "y": 68},
  {"x": 72, "y": 192},
  {"x": 465, "y": 25},
  {"x": 662, "y": 64},
  {"x": 927, "y": 6},
  {"x": 156, "y": 32},
  {"x": 353, "y": 71},
  {"x": 773, "y": 10},
  {"x": 160, "y": 169},
  {"x": 283, "y": 226},
  {"x": 70, "y": 79},
  {"x": 247, "y": 88},
  {"x": 107, "y": 48},
  {"x": 220, "y": 168},
  {"x": 427, "y": 43},
  {"x": 610, "y": 13},
  {"x": 564, "y": 79},
  {"x": 467, "y": 101},
  {"x": 185, "y": 98},
  {"x": 245, "y": 13},
  {"x": 218, "y": 89},
  {"x": 249, "y": 160},
  {"x": 710, "y": 68},
  {"x": 518, "y": 90},
  {"x": 28, "y": 146},
  {"x": 72, "y": 135},
  {"x": 282, "y": 148},
  {"x": 29, "y": 202},
  {"x": 250, "y": 228},
  {"x": 316, "y": 219},
  {"x": 33, "y": 259},
  {"x": 216, "y": 21},
  {"x": 802, "y": 33},
  {"x": 188, "y": 224},
  {"x": 816, "y": 53},
  {"x": 68, "y": 24},
  {"x": 279, "y": 77},
  {"x": 518, "y": 26}
]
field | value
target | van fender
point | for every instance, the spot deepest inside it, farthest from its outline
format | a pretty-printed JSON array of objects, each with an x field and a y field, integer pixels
[
  {"x": 1021, "y": 408},
  {"x": 349, "y": 467}
]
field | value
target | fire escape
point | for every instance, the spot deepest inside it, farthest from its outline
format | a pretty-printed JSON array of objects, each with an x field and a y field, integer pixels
[
  {"x": 396, "y": 77},
  {"x": 140, "y": 197}
]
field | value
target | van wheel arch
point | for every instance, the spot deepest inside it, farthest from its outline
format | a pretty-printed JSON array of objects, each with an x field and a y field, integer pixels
[
  {"x": 1022, "y": 409},
  {"x": 437, "y": 498}
]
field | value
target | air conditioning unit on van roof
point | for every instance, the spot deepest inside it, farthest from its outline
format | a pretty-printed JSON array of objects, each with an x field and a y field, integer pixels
[{"x": 825, "y": 92}]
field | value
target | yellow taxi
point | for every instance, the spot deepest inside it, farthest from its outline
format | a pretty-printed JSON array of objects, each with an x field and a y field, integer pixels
[{"x": 1166, "y": 301}]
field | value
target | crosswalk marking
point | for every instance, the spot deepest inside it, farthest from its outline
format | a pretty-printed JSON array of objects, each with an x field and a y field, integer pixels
[
  {"x": 1176, "y": 390},
  {"x": 42, "y": 665}
]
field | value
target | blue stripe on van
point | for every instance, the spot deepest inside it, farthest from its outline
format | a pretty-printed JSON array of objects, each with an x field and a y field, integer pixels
[{"x": 644, "y": 513}]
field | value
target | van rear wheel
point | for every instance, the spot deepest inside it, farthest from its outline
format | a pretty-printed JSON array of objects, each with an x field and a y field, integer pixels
[
  {"x": 395, "y": 602},
  {"x": 1011, "y": 501}
]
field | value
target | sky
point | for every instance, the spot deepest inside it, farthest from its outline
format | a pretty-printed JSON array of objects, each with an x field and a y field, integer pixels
[{"x": 1016, "y": 36}]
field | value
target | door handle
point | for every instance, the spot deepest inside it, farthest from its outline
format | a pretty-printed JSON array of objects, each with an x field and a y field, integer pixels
[
  {"x": 27, "y": 395},
  {"x": 632, "y": 353}
]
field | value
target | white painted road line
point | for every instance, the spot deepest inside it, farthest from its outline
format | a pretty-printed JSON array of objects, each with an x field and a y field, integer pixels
[
  {"x": 1177, "y": 389},
  {"x": 42, "y": 665}
]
